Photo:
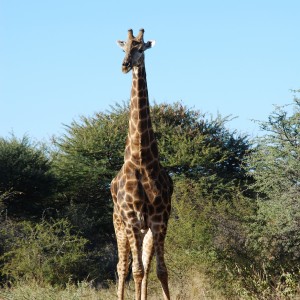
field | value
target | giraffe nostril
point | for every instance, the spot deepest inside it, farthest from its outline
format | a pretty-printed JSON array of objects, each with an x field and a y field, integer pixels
[{"x": 126, "y": 64}]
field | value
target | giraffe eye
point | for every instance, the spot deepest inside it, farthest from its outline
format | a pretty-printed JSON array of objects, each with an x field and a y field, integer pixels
[{"x": 140, "y": 50}]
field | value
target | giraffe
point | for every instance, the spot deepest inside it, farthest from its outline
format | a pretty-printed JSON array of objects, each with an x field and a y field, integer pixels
[{"x": 142, "y": 189}]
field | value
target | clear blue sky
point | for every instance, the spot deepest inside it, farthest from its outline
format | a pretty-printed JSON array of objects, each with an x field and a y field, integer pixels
[{"x": 59, "y": 59}]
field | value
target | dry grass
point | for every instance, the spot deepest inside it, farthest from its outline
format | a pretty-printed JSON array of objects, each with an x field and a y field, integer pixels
[
  {"x": 196, "y": 288},
  {"x": 34, "y": 291}
]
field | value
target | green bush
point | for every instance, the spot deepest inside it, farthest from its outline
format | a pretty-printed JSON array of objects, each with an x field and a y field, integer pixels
[
  {"x": 205, "y": 162},
  {"x": 25, "y": 178},
  {"x": 44, "y": 252},
  {"x": 276, "y": 167},
  {"x": 192, "y": 148},
  {"x": 272, "y": 235}
]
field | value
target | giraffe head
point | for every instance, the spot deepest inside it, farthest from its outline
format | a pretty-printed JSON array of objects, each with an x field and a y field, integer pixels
[{"x": 134, "y": 49}]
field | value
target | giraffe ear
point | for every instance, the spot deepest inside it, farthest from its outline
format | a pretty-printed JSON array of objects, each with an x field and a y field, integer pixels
[
  {"x": 121, "y": 44},
  {"x": 149, "y": 45}
]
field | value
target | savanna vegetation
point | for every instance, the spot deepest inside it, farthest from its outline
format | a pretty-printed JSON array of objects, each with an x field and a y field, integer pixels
[{"x": 234, "y": 229}]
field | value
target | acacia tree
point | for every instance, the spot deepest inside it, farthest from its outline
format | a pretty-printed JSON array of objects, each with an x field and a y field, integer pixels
[
  {"x": 191, "y": 147},
  {"x": 86, "y": 159},
  {"x": 202, "y": 156},
  {"x": 26, "y": 180},
  {"x": 200, "y": 148},
  {"x": 276, "y": 167}
]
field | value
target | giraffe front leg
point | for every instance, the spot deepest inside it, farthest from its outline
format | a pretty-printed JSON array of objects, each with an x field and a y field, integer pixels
[
  {"x": 161, "y": 269},
  {"x": 135, "y": 240},
  {"x": 123, "y": 254},
  {"x": 147, "y": 257}
]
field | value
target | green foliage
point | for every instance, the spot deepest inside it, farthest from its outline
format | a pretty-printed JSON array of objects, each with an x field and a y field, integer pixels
[
  {"x": 86, "y": 159},
  {"x": 208, "y": 235},
  {"x": 91, "y": 152},
  {"x": 26, "y": 180},
  {"x": 272, "y": 229},
  {"x": 276, "y": 167},
  {"x": 88, "y": 156},
  {"x": 198, "y": 148},
  {"x": 45, "y": 252},
  {"x": 203, "y": 157},
  {"x": 235, "y": 206},
  {"x": 276, "y": 161},
  {"x": 188, "y": 243}
]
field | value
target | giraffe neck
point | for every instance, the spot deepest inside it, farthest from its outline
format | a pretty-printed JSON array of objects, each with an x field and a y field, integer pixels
[{"x": 141, "y": 146}]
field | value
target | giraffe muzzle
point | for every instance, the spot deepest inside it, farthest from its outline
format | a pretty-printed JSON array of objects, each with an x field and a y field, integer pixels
[{"x": 126, "y": 66}]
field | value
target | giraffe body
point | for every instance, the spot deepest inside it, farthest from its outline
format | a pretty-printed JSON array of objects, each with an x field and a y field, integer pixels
[{"x": 142, "y": 189}]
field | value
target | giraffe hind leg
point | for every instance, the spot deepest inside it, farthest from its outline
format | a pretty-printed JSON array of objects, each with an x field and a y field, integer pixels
[{"x": 123, "y": 254}]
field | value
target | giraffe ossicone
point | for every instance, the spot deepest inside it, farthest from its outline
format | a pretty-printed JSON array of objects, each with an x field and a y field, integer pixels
[{"x": 142, "y": 189}]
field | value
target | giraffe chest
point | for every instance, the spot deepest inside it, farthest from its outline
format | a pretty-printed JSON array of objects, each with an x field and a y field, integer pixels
[
  {"x": 142, "y": 195},
  {"x": 140, "y": 187}
]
